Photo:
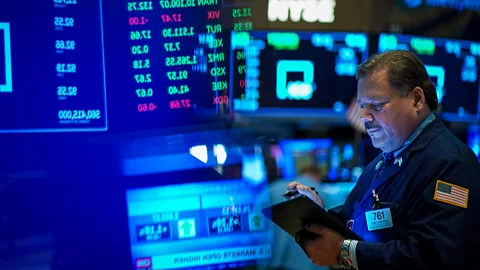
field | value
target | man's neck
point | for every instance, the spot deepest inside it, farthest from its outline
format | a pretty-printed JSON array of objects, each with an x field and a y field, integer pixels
[
  {"x": 419, "y": 120},
  {"x": 422, "y": 116}
]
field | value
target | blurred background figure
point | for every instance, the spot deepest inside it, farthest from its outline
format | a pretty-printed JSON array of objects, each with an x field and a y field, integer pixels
[
  {"x": 353, "y": 116},
  {"x": 286, "y": 254}
]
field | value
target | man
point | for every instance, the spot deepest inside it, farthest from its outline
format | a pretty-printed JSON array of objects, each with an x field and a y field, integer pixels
[{"x": 416, "y": 205}]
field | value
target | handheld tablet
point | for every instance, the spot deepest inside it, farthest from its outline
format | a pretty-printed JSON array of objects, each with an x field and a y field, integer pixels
[{"x": 294, "y": 214}]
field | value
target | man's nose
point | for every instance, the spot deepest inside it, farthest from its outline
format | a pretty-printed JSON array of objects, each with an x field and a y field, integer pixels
[{"x": 366, "y": 116}]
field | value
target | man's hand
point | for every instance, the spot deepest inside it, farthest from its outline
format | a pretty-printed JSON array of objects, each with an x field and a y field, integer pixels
[
  {"x": 302, "y": 189},
  {"x": 325, "y": 249}
]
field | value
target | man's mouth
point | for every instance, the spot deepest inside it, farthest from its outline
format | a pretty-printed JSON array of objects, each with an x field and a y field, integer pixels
[{"x": 372, "y": 130}]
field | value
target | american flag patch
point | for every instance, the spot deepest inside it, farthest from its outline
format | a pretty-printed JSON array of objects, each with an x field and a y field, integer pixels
[{"x": 451, "y": 194}]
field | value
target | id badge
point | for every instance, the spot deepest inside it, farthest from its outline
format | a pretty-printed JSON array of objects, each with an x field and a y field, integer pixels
[{"x": 379, "y": 219}]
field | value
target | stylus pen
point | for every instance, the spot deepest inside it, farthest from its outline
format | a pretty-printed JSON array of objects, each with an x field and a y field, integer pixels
[{"x": 376, "y": 201}]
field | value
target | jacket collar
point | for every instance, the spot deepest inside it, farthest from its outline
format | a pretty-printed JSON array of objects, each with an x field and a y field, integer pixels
[{"x": 426, "y": 136}]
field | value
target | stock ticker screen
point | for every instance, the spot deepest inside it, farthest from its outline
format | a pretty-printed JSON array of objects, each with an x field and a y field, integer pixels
[
  {"x": 106, "y": 65},
  {"x": 173, "y": 63},
  {"x": 274, "y": 71},
  {"x": 453, "y": 65},
  {"x": 51, "y": 66},
  {"x": 208, "y": 225}
]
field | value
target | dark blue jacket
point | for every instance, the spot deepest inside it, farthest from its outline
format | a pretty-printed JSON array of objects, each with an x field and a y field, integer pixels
[{"x": 426, "y": 233}]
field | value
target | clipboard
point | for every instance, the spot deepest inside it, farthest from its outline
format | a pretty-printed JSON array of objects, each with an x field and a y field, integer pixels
[{"x": 294, "y": 214}]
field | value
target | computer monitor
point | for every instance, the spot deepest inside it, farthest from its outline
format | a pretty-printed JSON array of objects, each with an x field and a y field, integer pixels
[
  {"x": 300, "y": 154},
  {"x": 295, "y": 73},
  {"x": 199, "y": 225},
  {"x": 334, "y": 159},
  {"x": 453, "y": 65}
]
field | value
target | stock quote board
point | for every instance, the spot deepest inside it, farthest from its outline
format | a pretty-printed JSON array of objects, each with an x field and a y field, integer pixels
[{"x": 105, "y": 65}]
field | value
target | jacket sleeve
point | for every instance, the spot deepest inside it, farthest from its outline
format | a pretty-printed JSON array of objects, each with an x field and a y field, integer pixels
[{"x": 439, "y": 235}]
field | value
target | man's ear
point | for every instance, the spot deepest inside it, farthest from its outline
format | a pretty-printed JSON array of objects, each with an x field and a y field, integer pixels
[{"x": 418, "y": 98}]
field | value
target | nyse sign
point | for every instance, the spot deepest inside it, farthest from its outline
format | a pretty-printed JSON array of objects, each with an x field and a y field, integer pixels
[{"x": 310, "y": 11}]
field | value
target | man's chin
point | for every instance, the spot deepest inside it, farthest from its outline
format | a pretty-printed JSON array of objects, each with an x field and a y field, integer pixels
[
  {"x": 382, "y": 146},
  {"x": 377, "y": 143}
]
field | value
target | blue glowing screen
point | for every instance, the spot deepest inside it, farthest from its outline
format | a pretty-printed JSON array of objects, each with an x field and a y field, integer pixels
[
  {"x": 473, "y": 139},
  {"x": 295, "y": 69},
  {"x": 207, "y": 225},
  {"x": 453, "y": 65},
  {"x": 457, "y": 4},
  {"x": 51, "y": 66}
]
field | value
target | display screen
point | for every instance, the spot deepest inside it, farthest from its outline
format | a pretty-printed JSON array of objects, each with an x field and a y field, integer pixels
[
  {"x": 295, "y": 70},
  {"x": 334, "y": 160},
  {"x": 207, "y": 225},
  {"x": 453, "y": 66},
  {"x": 52, "y": 66},
  {"x": 168, "y": 61},
  {"x": 107, "y": 65}
]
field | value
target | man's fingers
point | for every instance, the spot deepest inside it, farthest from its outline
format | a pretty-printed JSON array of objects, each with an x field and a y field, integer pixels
[
  {"x": 303, "y": 189},
  {"x": 293, "y": 185}
]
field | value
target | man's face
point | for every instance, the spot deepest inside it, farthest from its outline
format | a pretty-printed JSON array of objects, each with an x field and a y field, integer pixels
[{"x": 389, "y": 119}]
